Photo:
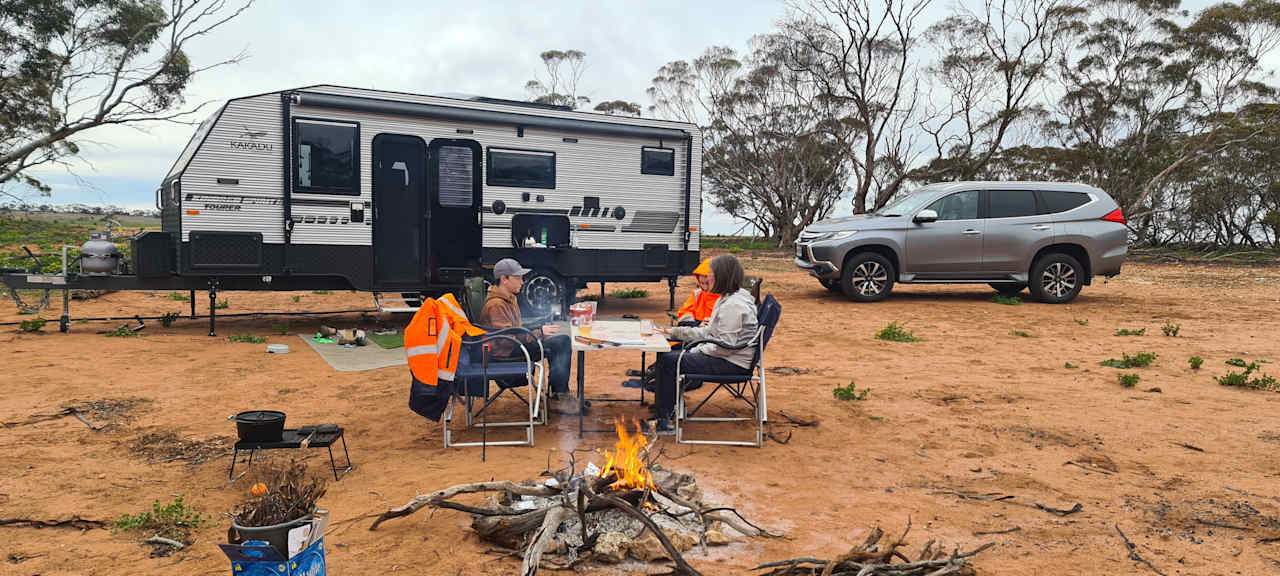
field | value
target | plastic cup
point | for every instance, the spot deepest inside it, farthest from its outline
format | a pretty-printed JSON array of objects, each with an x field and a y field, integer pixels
[{"x": 646, "y": 327}]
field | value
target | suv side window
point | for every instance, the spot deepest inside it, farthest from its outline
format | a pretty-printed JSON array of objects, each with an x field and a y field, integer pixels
[
  {"x": 1010, "y": 203},
  {"x": 1054, "y": 201},
  {"x": 958, "y": 206}
]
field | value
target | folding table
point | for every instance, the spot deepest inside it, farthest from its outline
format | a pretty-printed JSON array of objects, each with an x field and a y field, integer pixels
[{"x": 625, "y": 335}]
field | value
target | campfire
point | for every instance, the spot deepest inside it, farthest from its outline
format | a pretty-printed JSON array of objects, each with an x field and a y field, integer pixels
[{"x": 629, "y": 509}]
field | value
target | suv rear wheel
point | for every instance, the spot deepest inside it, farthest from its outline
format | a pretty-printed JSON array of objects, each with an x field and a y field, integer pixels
[
  {"x": 867, "y": 277},
  {"x": 1056, "y": 278}
]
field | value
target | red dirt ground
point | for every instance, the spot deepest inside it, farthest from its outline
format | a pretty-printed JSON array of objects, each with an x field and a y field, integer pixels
[{"x": 972, "y": 408}]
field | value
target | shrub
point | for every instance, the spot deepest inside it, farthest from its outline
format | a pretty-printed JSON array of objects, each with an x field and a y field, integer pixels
[
  {"x": 250, "y": 338},
  {"x": 1006, "y": 300},
  {"x": 1082, "y": 321},
  {"x": 1170, "y": 329},
  {"x": 122, "y": 332},
  {"x": 1128, "y": 380},
  {"x": 589, "y": 298},
  {"x": 180, "y": 297},
  {"x": 895, "y": 333},
  {"x": 1020, "y": 333},
  {"x": 1242, "y": 380},
  {"x": 1139, "y": 360},
  {"x": 222, "y": 305},
  {"x": 1128, "y": 332},
  {"x": 1195, "y": 362},
  {"x": 296, "y": 298},
  {"x": 174, "y": 521},
  {"x": 850, "y": 392},
  {"x": 32, "y": 325},
  {"x": 630, "y": 293},
  {"x": 1237, "y": 362},
  {"x": 1070, "y": 366},
  {"x": 167, "y": 319}
]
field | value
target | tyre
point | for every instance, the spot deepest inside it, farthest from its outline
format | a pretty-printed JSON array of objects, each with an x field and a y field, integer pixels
[
  {"x": 1008, "y": 289},
  {"x": 543, "y": 294},
  {"x": 832, "y": 285},
  {"x": 1056, "y": 278},
  {"x": 867, "y": 277}
]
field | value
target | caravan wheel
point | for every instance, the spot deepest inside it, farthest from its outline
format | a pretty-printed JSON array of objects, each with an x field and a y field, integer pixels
[{"x": 542, "y": 294}]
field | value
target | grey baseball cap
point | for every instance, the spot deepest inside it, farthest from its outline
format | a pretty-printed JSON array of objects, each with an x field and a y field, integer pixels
[{"x": 508, "y": 267}]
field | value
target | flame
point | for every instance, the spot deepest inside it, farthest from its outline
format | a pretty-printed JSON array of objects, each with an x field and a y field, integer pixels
[{"x": 627, "y": 463}]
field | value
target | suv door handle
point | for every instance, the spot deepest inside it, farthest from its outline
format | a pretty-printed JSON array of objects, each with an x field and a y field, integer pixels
[
  {"x": 1040, "y": 227},
  {"x": 971, "y": 232}
]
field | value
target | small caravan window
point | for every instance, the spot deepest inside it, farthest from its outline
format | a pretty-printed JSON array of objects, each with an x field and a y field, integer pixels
[
  {"x": 521, "y": 168},
  {"x": 455, "y": 176},
  {"x": 660, "y": 161},
  {"x": 327, "y": 157}
]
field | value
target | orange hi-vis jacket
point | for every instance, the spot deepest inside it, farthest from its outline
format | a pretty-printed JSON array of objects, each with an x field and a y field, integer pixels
[
  {"x": 433, "y": 339},
  {"x": 699, "y": 305}
]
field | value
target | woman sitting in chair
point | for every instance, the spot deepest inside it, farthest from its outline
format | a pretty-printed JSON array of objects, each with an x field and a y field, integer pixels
[{"x": 732, "y": 322}]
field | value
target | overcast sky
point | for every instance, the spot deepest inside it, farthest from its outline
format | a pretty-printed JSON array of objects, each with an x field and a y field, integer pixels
[
  {"x": 473, "y": 47},
  {"x": 478, "y": 48}
]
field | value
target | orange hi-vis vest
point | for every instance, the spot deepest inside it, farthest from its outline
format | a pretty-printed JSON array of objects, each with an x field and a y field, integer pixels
[{"x": 433, "y": 339}]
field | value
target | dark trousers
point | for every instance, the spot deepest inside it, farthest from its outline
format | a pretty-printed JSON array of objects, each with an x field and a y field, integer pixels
[
  {"x": 558, "y": 350},
  {"x": 693, "y": 363}
]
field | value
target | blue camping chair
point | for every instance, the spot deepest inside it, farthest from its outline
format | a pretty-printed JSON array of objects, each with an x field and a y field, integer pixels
[
  {"x": 479, "y": 377},
  {"x": 748, "y": 388}
]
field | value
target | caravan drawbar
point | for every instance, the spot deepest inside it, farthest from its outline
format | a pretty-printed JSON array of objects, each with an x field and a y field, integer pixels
[{"x": 329, "y": 187}]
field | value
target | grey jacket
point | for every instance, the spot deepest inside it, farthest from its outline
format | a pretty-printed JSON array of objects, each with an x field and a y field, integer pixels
[{"x": 733, "y": 321}]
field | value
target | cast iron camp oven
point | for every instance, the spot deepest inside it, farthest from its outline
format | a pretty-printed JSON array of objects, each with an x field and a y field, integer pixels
[{"x": 259, "y": 425}]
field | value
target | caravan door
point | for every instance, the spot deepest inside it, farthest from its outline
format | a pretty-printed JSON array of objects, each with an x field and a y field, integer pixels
[
  {"x": 398, "y": 222},
  {"x": 454, "y": 176}
]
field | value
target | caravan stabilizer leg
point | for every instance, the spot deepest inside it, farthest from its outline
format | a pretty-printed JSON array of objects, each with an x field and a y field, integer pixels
[
  {"x": 213, "y": 304},
  {"x": 192, "y": 299},
  {"x": 671, "y": 287}
]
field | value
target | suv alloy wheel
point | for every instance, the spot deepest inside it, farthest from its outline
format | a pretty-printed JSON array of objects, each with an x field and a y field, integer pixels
[
  {"x": 867, "y": 277},
  {"x": 1056, "y": 278}
]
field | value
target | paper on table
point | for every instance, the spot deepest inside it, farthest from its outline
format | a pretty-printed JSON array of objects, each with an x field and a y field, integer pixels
[{"x": 628, "y": 341}]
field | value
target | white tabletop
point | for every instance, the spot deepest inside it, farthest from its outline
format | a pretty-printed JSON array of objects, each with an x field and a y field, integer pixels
[{"x": 625, "y": 332}]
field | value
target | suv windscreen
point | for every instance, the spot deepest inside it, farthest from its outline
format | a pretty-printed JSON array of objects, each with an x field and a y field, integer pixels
[
  {"x": 1010, "y": 203},
  {"x": 958, "y": 206},
  {"x": 1053, "y": 201},
  {"x": 906, "y": 204}
]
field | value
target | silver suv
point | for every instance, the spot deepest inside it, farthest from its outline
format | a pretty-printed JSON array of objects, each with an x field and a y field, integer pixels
[{"x": 1053, "y": 237}]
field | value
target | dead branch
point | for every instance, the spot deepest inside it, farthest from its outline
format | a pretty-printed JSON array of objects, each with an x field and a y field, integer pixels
[
  {"x": 1133, "y": 552},
  {"x": 994, "y": 532},
  {"x": 546, "y": 532},
  {"x": 434, "y": 498},
  {"x": 176, "y": 545},
  {"x": 1189, "y": 446},
  {"x": 937, "y": 565},
  {"x": 73, "y": 522},
  {"x": 1011, "y": 499},
  {"x": 682, "y": 567}
]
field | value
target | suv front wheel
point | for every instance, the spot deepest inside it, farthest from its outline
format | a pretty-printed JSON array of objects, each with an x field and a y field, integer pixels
[
  {"x": 867, "y": 277},
  {"x": 1056, "y": 278}
]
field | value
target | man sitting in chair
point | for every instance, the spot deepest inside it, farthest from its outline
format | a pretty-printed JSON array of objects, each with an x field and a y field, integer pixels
[{"x": 501, "y": 310}]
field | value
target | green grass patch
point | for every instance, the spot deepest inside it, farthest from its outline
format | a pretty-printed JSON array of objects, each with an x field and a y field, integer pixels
[
  {"x": 180, "y": 297},
  {"x": 1082, "y": 321},
  {"x": 167, "y": 319},
  {"x": 321, "y": 292},
  {"x": 589, "y": 298},
  {"x": 895, "y": 333},
  {"x": 1070, "y": 366},
  {"x": 175, "y": 521},
  {"x": 281, "y": 329},
  {"x": 32, "y": 325},
  {"x": 630, "y": 293},
  {"x": 387, "y": 341},
  {"x": 1006, "y": 300},
  {"x": 1244, "y": 380},
  {"x": 1139, "y": 360},
  {"x": 1238, "y": 362},
  {"x": 850, "y": 392},
  {"x": 1128, "y": 332},
  {"x": 296, "y": 298},
  {"x": 222, "y": 305},
  {"x": 1170, "y": 329},
  {"x": 122, "y": 332},
  {"x": 1020, "y": 334},
  {"x": 1196, "y": 362},
  {"x": 736, "y": 243},
  {"x": 1128, "y": 380},
  {"x": 250, "y": 338}
]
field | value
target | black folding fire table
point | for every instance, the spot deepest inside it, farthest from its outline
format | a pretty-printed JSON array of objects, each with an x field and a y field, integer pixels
[{"x": 324, "y": 436}]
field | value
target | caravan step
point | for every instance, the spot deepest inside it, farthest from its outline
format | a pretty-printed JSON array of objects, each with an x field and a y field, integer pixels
[{"x": 398, "y": 303}]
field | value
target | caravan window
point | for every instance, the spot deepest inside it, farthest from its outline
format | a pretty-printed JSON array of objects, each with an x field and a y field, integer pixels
[
  {"x": 455, "y": 170},
  {"x": 521, "y": 168},
  {"x": 327, "y": 157},
  {"x": 660, "y": 161}
]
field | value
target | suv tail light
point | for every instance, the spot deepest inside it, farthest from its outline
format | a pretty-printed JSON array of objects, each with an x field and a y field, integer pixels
[{"x": 1115, "y": 216}]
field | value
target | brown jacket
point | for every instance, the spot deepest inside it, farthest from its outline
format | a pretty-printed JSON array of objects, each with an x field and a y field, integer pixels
[{"x": 501, "y": 310}]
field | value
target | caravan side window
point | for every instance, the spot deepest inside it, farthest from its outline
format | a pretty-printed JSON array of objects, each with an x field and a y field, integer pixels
[
  {"x": 326, "y": 157},
  {"x": 660, "y": 161},
  {"x": 521, "y": 168}
]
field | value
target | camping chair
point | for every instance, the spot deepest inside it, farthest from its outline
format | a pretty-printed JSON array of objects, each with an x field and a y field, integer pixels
[
  {"x": 476, "y": 377},
  {"x": 472, "y": 297},
  {"x": 748, "y": 388}
]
